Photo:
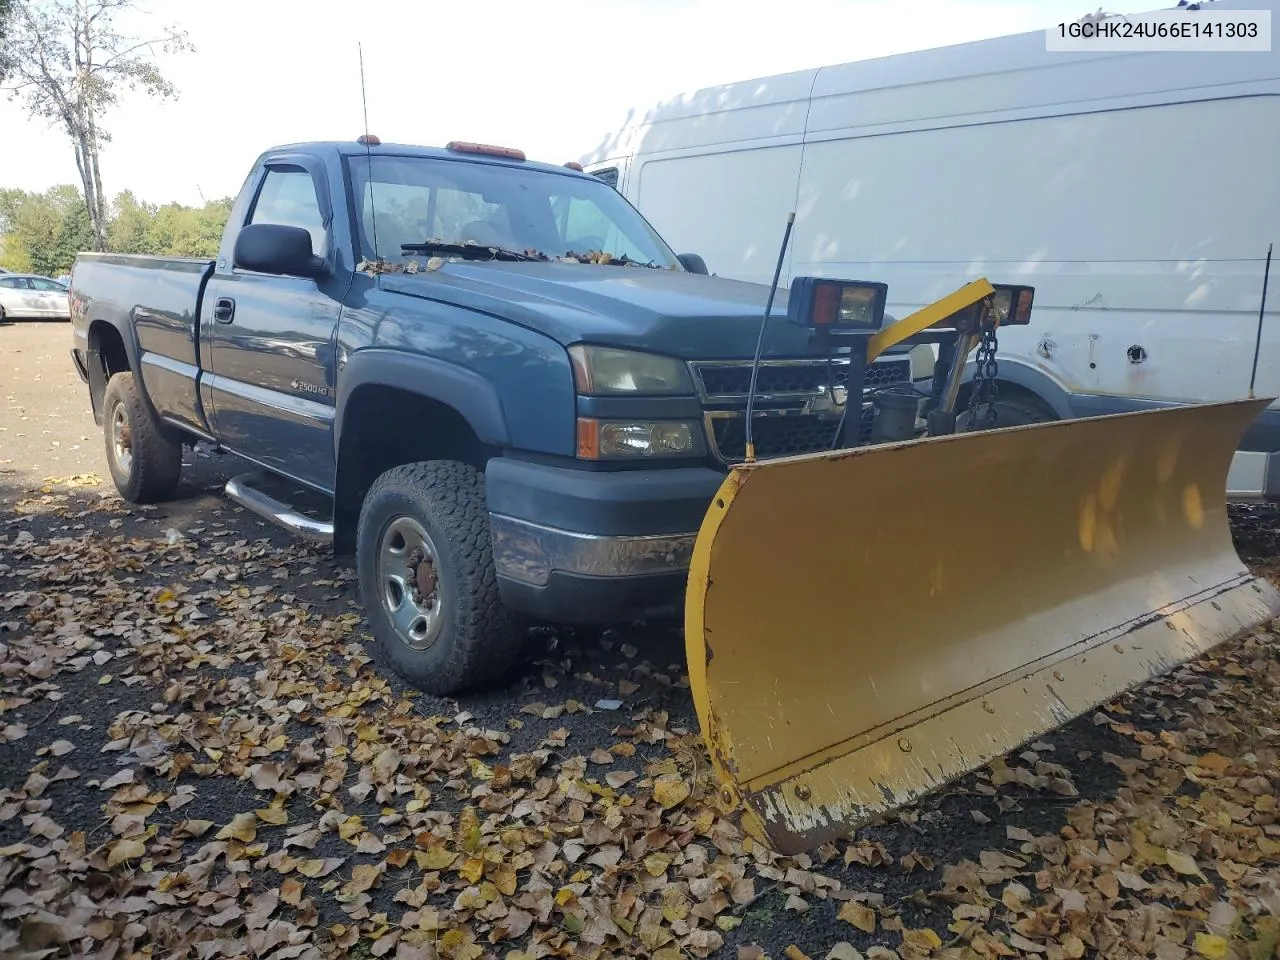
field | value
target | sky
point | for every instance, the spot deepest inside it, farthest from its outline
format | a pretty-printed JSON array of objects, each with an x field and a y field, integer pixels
[{"x": 550, "y": 77}]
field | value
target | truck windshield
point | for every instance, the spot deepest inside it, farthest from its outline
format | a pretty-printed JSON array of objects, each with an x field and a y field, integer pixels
[{"x": 413, "y": 200}]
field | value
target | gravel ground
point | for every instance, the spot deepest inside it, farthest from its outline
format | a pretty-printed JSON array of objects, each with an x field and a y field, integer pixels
[{"x": 184, "y": 564}]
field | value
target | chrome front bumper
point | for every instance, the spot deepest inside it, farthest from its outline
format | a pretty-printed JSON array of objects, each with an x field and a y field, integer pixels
[{"x": 530, "y": 553}]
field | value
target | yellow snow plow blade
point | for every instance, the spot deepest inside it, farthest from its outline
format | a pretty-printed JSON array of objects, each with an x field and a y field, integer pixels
[{"x": 864, "y": 625}]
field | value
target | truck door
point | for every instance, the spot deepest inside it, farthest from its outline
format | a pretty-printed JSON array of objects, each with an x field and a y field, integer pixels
[{"x": 271, "y": 340}]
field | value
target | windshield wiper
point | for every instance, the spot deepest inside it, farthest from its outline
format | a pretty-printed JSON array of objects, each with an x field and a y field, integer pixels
[
  {"x": 472, "y": 251},
  {"x": 609, "y": 260}
]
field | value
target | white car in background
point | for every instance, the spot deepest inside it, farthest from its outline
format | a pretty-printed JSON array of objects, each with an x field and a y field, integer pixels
[{"x": 30, "y": 296}]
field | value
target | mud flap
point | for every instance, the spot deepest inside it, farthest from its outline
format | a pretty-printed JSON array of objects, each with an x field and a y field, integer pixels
[{"x": 865, "y": 625}]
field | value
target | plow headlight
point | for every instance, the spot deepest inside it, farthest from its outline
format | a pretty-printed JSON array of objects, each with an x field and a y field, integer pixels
[
  {"x": 606, "y": 370},
  {"x": 836, "y": 304},
  {"x": 1012, "y": 304},
  {"x": 614, "y": 440}
]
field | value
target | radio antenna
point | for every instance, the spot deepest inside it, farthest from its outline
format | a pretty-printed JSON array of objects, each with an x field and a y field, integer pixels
[
  {"x": 368, "y": 154},
  {"x": 764, "y": 322},
  {"x": 1262, "y": 309}
]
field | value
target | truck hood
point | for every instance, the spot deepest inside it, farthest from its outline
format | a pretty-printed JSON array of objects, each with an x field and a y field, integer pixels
[{"x": 681, "y": 314}]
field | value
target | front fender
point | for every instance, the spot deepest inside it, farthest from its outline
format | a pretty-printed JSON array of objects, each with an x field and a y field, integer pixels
[{"x": 465, "y": 391}]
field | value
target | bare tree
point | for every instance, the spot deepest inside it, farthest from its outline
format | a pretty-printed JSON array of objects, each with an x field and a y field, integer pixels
[{"x": 69, "y": 64}]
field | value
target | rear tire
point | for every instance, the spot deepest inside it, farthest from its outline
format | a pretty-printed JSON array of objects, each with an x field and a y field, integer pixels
[
  {"x": 1010, "y": 412},
  {"x": 145, "y": 463},
  {"x": 427, "y": 578}
]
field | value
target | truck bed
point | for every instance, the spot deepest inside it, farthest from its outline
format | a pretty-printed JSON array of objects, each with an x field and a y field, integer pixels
[{"x": 159, "y": 298}]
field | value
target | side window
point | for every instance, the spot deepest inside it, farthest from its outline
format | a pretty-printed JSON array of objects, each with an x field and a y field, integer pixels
[
  {"x": 609, "y": 175},
  {"x": 288, "y": 197},
  {"x": 41, "y": 284},
  {"x": 11, "y": 283}
]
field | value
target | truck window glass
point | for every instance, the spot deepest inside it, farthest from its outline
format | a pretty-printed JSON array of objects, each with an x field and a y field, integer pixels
[
  {"x": 586, "y": 227},
  {"x": 416, "y": 199},
  {"x": 288, "y": 197}
]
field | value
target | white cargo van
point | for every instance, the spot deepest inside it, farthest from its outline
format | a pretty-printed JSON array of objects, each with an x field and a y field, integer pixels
[{"x": 1137, "y": 192}]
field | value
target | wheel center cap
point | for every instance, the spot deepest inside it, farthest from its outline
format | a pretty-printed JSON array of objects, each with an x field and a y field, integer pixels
[{"x": 424, "y": 577}]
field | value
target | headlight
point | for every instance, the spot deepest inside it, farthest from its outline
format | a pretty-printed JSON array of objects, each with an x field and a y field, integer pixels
[
  {"x": 625, "y": 440},
  {"x": 606, "y": 370}
]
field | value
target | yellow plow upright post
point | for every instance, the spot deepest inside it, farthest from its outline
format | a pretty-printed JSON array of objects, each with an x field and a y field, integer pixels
[{"x": 864, "y": 625}]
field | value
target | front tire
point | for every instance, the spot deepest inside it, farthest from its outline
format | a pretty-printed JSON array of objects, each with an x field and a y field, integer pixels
[
  {"x": 145, "y": 463},
  {"x": 427, "y": 578}
]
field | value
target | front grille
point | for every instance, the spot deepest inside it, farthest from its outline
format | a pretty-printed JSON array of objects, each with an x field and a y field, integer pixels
[
  {"x": 793, "y": 403},
  {"x": 779, "y": 379},
  {"x": 779, "y": 436}
]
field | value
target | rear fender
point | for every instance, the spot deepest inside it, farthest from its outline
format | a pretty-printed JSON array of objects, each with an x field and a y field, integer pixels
[{"x": 97, "y": 372}]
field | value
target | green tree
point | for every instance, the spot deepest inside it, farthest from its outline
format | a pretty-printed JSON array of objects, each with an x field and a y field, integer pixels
[
  {"x": 43, "y": 231},
  {"x": 69, "y": 64},
  {"x": 130, "y": 230},
  {"x": 6, "y": 14}
]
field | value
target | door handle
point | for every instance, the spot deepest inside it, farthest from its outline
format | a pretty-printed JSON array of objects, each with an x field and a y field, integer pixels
[{"x": 224, "y": 310}]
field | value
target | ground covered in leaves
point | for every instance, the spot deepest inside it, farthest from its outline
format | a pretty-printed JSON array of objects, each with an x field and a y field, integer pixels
[{"x": 198, "y": 759}]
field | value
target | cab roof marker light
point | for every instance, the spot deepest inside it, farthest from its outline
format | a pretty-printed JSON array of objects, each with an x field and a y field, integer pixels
[{"x": 485, "y": 149}]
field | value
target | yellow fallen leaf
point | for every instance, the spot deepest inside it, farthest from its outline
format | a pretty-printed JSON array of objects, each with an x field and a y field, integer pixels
[
  {"x": 1211, "y": 946},
  {"x": 860, "y": 915},
  {"x": 923, "y": 939},
  {"x": 1182, "y": 863},
  {"x": 317, "y": 868},
  {"x": 273, "y": 815},
  {"x": 243, "y": 827},
  {"x": 125, "y": 850},
  {"x": 674, "y": 905},
  {"x": 105, "y": 678},
  {"x": 479, "y": 770},
  {"x": 165, "y": 595},
  {"x": 655, "y": 864},
  {"x": 436, "y": 858},
  {"x": 1215, "y": 763},
  {"x": 472, "y": 869},
  {"x": 670, "y": 790},
  {"x": 351, "y": 827},
  {"x": 277, "y": 743}
]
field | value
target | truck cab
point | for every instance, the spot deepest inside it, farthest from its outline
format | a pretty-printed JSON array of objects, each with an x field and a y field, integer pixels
[{"x": 515, "y": 399}]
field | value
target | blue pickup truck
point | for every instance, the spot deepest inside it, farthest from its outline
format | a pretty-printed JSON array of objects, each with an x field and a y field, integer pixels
[{"x": 512, "y": 399}]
